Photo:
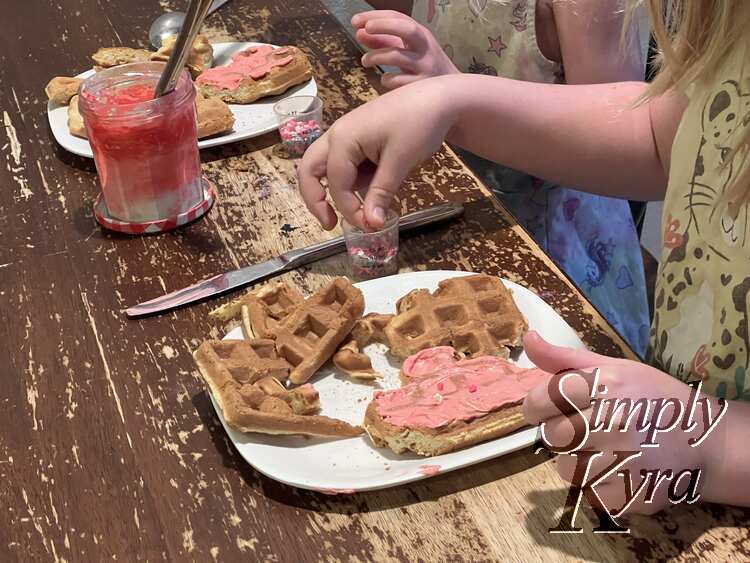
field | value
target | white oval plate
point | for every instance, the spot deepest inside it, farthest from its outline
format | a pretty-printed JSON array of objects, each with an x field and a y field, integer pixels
[
  {"x": 354, "y": 464},
  {"x": 251, "y": 120}
]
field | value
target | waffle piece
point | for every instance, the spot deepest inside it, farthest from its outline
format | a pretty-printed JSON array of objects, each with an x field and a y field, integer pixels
[
  {"x": 200, "y": 58},
  {"x": 277, "y": 298},
  {"x": 474, "y": 314},
  {"x": 256, "y": 73},
  {"x": 246, "y": 360},
  {"x": 270, "y": 306},
  {"x": 459, "y": 404},
  {"x": 61, "y": 89},
  {"x": 240, "y": 374},
  {"x": 309, "y": 335},
  {"x": 264, "y": 308},
  {"x": 350, "y": 359},
  {"x": 107, "y": 57},
  {"x": 75, "y": 119},
  {"x": 214, "y": 116}
]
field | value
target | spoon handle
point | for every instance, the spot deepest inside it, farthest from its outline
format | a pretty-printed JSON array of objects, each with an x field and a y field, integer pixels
[
  {"x": 193, "y": 20},
  {"x": 215, "y": 5}
]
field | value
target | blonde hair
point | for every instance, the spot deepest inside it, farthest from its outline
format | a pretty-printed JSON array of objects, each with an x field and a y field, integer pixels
[{"x": 694, "y": 38}]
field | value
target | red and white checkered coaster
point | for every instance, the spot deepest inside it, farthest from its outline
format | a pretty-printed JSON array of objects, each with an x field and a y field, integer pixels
[{"x": 162, "y": 225}]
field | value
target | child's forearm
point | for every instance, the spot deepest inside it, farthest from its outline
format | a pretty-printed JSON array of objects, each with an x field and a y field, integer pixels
[{"x": 589, "y": 137}]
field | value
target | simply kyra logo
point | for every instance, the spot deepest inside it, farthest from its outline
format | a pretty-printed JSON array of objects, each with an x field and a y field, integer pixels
[{"x": 650, "y": 418}]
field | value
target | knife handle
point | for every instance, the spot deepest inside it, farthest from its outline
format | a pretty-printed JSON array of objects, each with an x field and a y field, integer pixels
[{"x": 410, "y": 221}]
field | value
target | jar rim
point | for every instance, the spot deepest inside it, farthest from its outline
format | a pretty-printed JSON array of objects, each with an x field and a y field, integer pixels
[{"x": 122, "y": 74}]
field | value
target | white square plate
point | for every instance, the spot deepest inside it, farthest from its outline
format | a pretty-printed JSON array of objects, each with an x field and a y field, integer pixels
[
  {"x": 251, "y": 120},
  {"x": 354, "y": 464}
]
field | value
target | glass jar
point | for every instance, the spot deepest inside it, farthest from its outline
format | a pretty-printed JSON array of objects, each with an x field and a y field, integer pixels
[{"x": 145, "y": 148}]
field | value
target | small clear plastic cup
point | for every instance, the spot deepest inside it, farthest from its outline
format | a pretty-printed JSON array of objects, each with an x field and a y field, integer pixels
[
  {"x": 300, "y": 121},
  {"x": 373, "y": 254}
]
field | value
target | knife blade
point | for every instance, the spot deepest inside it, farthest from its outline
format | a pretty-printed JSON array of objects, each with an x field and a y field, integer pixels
[{"x": 224, "y": 283}]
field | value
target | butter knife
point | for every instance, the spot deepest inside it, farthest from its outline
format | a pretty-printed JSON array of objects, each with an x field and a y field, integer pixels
[{"x": 223, "y": 283}]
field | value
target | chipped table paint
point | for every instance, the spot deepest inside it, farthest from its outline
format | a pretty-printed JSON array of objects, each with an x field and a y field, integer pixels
[{"x": 110, "y": 447}]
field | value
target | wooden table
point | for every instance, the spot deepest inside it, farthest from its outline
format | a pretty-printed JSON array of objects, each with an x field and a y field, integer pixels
[{"x": 110, "y": 447}]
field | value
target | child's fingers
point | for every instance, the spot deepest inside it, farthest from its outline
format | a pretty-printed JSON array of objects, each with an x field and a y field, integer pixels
[
  {"x": 377, "y": 41},
  {"x": 385, "y": 183},
  {"x": 342, "y": 173},
  {"x": 553, "y": 359},
  {"x": 402, "y": 58},
  {"x": 360, "y": 20},
  {"x": 407, "y": 29},
  {"x": 566, "y": 432},
  {"x": 393, "y": 80},
  {"x": 342, "y": 177},
  {"x": 311, "y": 169},
  {"x": 543, "y": 403}
]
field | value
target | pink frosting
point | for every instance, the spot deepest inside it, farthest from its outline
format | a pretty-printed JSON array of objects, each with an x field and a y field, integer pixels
[
  {"x": 254, "y": 62},
  {"x": 427, "y": 362},
  {"x": 455, "y": 390},
  {"x": 429, "y": 470}
]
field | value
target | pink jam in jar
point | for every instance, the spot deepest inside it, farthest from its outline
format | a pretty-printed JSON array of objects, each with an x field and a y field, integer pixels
[{"x": 145, "y": 148}]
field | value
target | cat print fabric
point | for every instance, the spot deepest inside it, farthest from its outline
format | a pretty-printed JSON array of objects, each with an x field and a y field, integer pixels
[
  {"x": 592, "y": 238},
  {"x": 700, "y": 328}
]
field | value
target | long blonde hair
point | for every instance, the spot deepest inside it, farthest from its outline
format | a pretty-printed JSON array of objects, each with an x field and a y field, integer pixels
[{"x": 694, "y": 38}]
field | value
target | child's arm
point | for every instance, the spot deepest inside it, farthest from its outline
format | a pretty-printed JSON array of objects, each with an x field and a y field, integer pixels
[
  {"x": 589, "y": 136},
  {"x": 592, "y": 48},
  {"x": 585, "y": 136}
]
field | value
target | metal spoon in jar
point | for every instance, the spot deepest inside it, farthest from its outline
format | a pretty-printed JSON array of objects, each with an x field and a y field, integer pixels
[
  {"x": 171, "y": 23},
  {"x": 176, "y": 63}
]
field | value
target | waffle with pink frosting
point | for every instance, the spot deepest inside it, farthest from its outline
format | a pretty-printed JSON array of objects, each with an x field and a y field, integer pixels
[
  {"x": 255, "y": 73},
  {"x": 449, "y": 404}
]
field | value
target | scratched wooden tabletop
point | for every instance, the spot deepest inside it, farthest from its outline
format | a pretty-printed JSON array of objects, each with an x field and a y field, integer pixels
[{"x": 109, "y": 447}]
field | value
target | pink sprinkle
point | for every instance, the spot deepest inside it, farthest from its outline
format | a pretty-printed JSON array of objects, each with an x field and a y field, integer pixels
[
  {"x": 472, "y": 388},
  {"x": 440, "y": 386},
  {"x": 429, "y": 470}
]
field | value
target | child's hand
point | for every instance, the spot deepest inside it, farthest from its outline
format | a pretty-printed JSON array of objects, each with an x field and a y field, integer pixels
[
  {"x": 623, "y": 379},
  {"x": 397, "y": 40},
  {"x": 394, "y": 132}
]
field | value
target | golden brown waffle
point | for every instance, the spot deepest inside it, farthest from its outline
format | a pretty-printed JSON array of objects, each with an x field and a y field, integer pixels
[
  {"x": 214, "y": 116},
  {"x": 76, "y": 125},
  {"x": 309, "y": 335},
  {"x": 270, "y": 306},
  {"x": 61, "y": 89},
  {"x": 240, "y": 374},
  {"x": 350, "y": 359},
  {"x": 246, "y": 361},
  {"x": 266, "y": 307},
  {"x": 107, "y": 57},
  {"x": 474, "y": 314},
  {"x": 200, "y": 58}
]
